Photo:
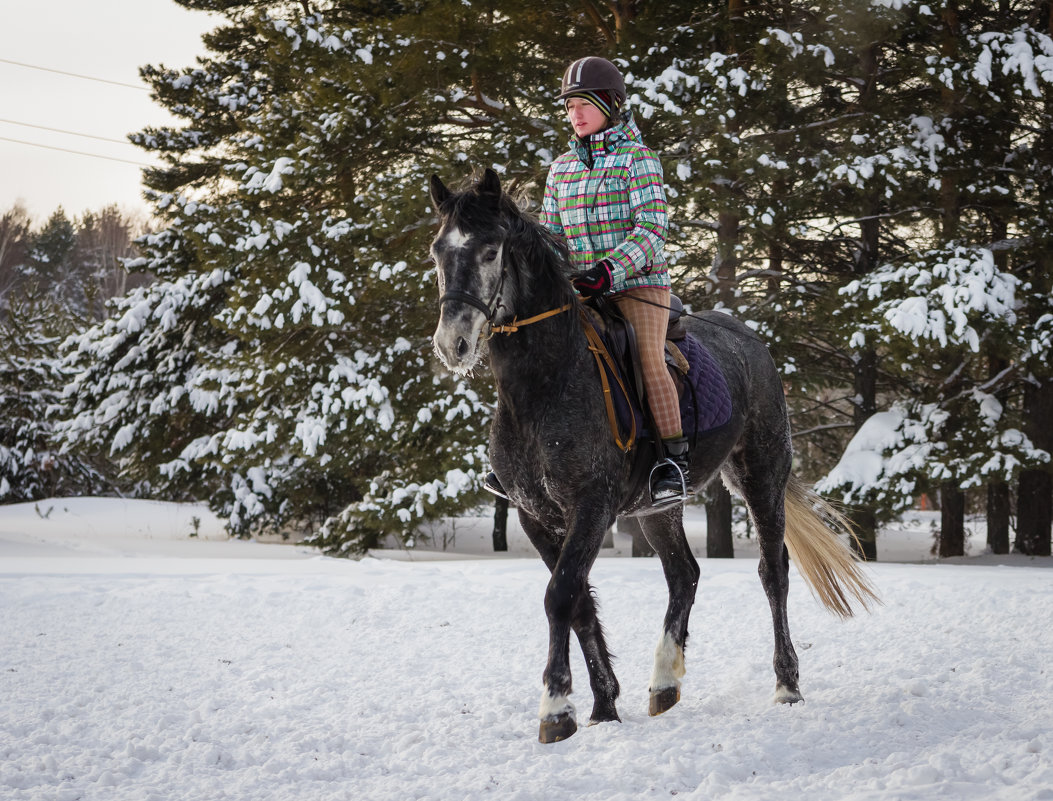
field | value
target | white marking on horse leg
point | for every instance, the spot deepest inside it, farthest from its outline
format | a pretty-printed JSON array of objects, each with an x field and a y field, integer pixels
[
  {"x": 456, "y": 238},
  {"x": 668, "y": 664},
  {"x": 554, "y": 706},
  {"x": 784, "y": 695}
]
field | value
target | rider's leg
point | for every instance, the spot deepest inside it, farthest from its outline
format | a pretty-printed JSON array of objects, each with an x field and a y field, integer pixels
[{"x": 647, "y": 309}]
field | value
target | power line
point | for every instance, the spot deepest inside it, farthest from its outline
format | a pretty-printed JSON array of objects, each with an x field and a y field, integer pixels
[
  {"x": 61, "y": 131},
  {"x": 74, "y": 75},
  {"x": 75, "y": 152}
]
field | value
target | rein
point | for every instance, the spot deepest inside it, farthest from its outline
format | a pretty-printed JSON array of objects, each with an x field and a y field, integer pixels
[
  {"x": 751, "y": 334},
  {"x": 516, "y": 323}
]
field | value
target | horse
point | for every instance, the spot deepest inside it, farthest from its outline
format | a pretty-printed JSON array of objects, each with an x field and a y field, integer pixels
[{"x": 502, "y": 277}]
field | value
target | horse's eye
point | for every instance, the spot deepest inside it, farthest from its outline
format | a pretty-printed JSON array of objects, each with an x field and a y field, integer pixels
[{"x": 491, "y": 254}]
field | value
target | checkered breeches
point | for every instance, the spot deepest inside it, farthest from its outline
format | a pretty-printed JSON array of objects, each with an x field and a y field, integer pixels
[{"x": 650, "y": 323}]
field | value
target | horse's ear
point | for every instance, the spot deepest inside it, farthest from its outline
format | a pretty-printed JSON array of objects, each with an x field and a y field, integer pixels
[
  {"x": 439, "y": 192},
  {"x": 491, "y": 184}
]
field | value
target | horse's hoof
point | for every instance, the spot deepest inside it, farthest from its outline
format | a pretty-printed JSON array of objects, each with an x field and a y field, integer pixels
[
  {"x": 558, "y": 728},
  {"x": 663, "y": 700},
  {"x": 787, "y": 695},
  {"x": 604, "y": 716}
]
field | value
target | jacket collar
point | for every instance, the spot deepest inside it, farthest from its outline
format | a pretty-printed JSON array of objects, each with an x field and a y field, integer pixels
[{"x": 603, "y": 142}]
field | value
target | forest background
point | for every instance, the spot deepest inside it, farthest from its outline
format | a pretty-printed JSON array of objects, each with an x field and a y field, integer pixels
[{"x": 867, "y": 183}]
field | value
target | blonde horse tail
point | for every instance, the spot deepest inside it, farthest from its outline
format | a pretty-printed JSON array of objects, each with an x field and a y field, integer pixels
[{"x": 813, "y": 526}]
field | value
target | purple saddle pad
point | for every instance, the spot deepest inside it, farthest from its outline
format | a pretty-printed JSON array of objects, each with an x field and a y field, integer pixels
[{"x": 705, "y": 400}]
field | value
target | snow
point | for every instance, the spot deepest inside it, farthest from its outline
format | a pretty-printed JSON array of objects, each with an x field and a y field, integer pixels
[
  {"x": 140, "y": 663},
  {"x": 863, "y": 461}
]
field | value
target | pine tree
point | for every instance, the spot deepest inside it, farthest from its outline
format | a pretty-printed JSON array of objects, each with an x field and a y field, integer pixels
[
  {"x": 14, "y": 244},
  {"x": 32, "y": 467},
  {"x": 282, "y": 363},
  {"x": 951, "y": 313},
  {"x": 831, "y": 166},
  {"x": 1020, "y": 52}
]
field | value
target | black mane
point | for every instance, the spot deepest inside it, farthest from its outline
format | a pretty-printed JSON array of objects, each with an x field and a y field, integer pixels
[{"x": 537, "y": 257}]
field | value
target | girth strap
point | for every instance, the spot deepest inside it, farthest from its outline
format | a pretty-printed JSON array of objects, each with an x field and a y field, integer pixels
[{"x": 603, "y": 356}]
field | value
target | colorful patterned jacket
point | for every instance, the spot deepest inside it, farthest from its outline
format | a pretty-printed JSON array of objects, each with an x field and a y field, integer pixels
[{"x": 614, "y": 209}]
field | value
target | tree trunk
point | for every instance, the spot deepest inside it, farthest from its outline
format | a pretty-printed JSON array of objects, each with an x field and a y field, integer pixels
[
  {"x": 998, "y": 498},
  {"x": 952, "y": 521},
  {"x": 725, "y": 264},
  {"x": 1034, "y": 513},
  {"x": 719, "y": 542},
  {"x": 864, "y": 544},
  {"x": 865, "y": 361},
  {"x": 631, "y": 526},
  {"x": 1034, "y": 500},
  {"x": 952, "y": 499},
  {"x": 500, "y": 524},
  {"x": 864, "y": 380},
  {"x": 998, "y": 517}
]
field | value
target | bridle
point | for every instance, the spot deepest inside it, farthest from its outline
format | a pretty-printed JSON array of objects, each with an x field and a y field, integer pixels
[
  {"x": 491, "y": 307},
  {"x": 488, "y": 308}
]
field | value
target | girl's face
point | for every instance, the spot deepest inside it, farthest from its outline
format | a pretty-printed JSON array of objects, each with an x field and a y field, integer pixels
[{"x": 584, "y": 117}]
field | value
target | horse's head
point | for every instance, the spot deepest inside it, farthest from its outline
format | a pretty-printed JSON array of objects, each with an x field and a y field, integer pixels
[{"x": 468, "y": 252}]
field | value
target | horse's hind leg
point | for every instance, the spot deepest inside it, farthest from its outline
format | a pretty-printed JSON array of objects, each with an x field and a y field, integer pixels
[
  {"x": 558, "y": 717},
  {"x": 665, "y": 533},
  {"x": 761, "y": 478}
]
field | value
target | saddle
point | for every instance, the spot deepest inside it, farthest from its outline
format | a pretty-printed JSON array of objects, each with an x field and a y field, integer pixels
[{"x": 705, "y": 400}]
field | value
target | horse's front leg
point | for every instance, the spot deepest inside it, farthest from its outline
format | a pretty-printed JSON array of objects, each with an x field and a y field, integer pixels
[{"x": 569, "y": 605}]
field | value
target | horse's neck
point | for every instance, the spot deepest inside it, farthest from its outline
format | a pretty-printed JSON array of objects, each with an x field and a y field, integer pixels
[{"x": 539, "y": 354}]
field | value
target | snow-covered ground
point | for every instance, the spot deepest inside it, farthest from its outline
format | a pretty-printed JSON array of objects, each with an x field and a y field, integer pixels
[{"x": 138, "y": 662}]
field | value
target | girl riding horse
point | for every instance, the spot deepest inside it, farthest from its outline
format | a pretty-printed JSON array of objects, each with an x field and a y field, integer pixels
[{"x": 605, "y": 197}]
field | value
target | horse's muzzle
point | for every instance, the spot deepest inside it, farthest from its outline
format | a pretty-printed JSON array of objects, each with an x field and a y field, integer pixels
[{"x": 456, "y": 340}]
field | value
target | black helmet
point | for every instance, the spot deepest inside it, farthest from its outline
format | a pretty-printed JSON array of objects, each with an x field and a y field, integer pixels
[{"x": 593, "y": 74}]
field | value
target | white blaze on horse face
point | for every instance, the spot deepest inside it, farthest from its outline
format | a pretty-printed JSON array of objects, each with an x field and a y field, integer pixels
[
  {"x": 668, "y": 664},
  {"x": 461, "y": 325},
  {"x": 456, "y": 238},
  {"x": 456, "y": 339}
]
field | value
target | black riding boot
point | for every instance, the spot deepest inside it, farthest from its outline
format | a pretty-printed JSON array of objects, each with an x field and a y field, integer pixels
[
  {"x": 491, "y": 484},
  {"x": 669, "y": 475}
]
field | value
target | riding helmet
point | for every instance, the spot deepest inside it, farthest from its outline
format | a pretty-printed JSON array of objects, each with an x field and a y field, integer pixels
[{"x": 590, "y": 75}]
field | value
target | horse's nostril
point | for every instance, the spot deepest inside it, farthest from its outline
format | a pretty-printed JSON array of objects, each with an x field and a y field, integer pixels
[{"x": 462, "y": 347}]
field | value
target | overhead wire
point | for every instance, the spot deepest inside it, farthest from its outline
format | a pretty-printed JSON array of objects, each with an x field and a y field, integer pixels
[
  {"x": 63, "y": 131},
  {"x": 71, "y": 133},
  {"x": 74, "y": 74},
  {"x": 75, "y": 152}
]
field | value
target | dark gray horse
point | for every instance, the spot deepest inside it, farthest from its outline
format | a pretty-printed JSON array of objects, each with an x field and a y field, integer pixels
[{"x": 502, "y": 276}]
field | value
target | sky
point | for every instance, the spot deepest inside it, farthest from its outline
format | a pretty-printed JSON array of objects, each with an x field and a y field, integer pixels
[{"x": 101, "y": 39}]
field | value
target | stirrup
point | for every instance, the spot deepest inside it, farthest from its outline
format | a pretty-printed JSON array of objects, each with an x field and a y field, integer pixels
[
  {"x": 492, "y": 485},
  {"x": 674, "y": 497}
]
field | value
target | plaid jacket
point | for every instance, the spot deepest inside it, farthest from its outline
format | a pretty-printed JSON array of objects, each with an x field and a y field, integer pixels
[{"x": 615, "y": 209}]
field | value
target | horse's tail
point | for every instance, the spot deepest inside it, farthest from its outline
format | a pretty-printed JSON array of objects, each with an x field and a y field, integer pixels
[{"x": 825, "y": 561}]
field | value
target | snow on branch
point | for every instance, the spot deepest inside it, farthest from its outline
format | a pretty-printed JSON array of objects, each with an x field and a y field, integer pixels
[{"x": 941, "y": 296}]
